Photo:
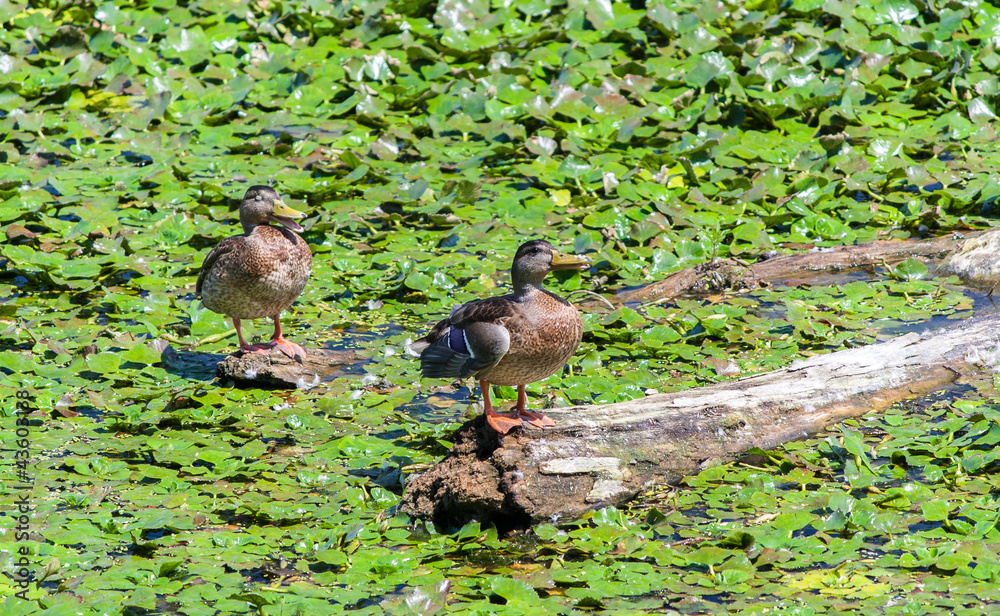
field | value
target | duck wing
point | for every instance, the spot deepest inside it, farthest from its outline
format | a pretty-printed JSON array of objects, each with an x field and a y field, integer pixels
[
  {"x": 470, "y": 341},
  {"x": 223, "y": 248}
]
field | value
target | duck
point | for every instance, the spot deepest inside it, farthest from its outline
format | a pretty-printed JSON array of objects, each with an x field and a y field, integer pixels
[
  {"x": 513, "y": 340},
  {"x": 260, "y": 272}
]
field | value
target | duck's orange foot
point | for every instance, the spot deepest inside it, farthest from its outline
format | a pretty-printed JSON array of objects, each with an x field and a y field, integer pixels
[
  {"x": 260, "y": 349},
  {"x": 290, "y": 349},
  {"x": 536, "y": 419},
  {"x": 503, "y": 422}
]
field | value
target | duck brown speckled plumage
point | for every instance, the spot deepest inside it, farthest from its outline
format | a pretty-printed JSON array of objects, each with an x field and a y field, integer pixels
[
  {"x": 261, "y": 272},
  {"x": 511, "y": 340}
]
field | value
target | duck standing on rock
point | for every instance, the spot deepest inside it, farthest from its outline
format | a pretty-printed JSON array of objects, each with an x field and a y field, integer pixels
[
  {"x": 511, "y": 340},
  {"x": 261, "y": 272}
]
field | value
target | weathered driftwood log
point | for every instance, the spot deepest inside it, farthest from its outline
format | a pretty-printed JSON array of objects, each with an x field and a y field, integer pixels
[
  {"x": 278, "y": 370},
  {"x": 604, "y": 455},
  {"x": 732, "y": 274}
]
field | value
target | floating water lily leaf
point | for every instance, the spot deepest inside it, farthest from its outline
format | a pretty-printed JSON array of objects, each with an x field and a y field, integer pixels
[{"x": 910, "y": 269}]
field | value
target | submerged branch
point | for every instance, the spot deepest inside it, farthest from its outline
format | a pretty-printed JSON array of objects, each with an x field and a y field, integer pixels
[{"x": 733, "y": 274}]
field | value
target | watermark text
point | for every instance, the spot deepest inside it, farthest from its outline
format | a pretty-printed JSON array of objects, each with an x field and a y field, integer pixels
[{"x": 22, "y": 492}]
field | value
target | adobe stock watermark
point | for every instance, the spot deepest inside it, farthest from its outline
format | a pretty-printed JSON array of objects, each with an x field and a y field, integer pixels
[{"x": 21, "y": 491}]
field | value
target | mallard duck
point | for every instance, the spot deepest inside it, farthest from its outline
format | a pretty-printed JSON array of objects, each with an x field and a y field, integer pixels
[
  {"x": 261, "y": 272},
  {"x": 512, "y": 340}
]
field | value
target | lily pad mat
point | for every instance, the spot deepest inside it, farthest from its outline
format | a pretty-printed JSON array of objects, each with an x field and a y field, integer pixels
[{"x": 427, "y": 141}]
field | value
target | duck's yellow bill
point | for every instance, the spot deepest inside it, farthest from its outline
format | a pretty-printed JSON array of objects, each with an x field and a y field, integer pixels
[
  {"x": 285, "y": 211},
  {"x": 563, "y": 261}
]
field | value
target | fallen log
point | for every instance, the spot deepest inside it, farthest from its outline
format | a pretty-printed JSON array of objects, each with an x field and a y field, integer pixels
[
  {"x": 721, "y": 274},
  {"x": 605, "y": 454}
]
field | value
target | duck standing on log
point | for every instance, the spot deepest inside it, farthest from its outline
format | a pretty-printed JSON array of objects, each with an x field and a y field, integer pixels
[
  {"x": 511, "y": 340},
  {"x": 261, "y": 272}
]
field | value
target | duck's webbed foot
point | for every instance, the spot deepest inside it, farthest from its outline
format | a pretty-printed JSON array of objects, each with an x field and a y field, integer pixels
[
  {"x": 290, "y": 349},
  {"x": 536, "y": 419},
  {"x": 502, "y": 422},
  {"x": 260, "y": 349}
]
